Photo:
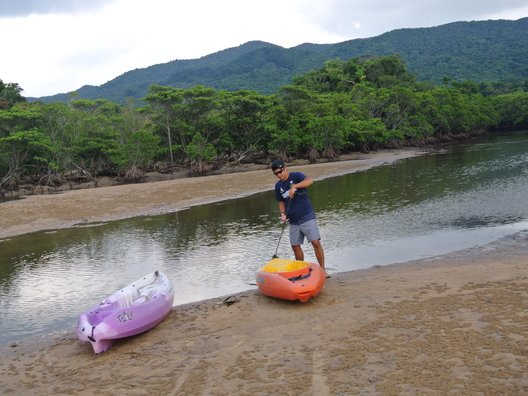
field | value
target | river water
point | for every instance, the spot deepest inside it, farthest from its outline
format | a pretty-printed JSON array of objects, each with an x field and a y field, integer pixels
[{"x": 461, "y": 196}]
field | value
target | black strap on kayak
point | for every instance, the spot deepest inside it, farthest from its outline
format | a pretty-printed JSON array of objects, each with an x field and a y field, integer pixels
[
  {"x": 300, "y": 277},
  {"x": 91, "y": 337}
]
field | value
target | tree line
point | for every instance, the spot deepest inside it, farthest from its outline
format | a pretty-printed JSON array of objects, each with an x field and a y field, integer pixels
[{"x": 346, "y": 106}]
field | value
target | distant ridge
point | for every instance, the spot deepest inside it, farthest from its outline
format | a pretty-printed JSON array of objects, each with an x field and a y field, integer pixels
[{"x": 493, "y": 50}]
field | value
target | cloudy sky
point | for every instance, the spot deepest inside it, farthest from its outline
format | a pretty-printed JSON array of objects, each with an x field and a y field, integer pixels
[{"x": 55, "y": 46}]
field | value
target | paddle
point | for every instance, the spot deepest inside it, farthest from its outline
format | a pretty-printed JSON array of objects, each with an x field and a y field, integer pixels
[
  {"x": 282, "y": 231},
  {"x": 278, "y": 243}
]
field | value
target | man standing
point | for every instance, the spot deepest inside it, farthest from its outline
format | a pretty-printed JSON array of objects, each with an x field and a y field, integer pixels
[{"x": 296, "y": 208}]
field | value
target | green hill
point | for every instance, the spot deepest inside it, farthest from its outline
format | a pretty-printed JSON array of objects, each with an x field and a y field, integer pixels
[{"x": 492, "y": 50}]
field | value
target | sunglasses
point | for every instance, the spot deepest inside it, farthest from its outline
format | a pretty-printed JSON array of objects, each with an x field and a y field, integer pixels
[{"x": 278, "y": 172}]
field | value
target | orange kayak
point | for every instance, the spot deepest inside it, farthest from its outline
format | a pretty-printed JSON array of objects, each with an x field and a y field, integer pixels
[{"x": 290, "y": 279}]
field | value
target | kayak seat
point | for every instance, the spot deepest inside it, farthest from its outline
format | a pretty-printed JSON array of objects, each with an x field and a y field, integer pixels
[
  {"x": 138, "y": 293},
  {"x": 127, "y": 297},
  {"x": 145, "y": 293}
]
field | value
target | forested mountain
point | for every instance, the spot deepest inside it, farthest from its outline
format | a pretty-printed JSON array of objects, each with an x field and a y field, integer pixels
[{"x": 492, "y": 51}]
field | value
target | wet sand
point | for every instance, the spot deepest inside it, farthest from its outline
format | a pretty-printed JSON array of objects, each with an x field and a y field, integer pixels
[
  {"x": 454, "y": 324},
  {"x": 66, "y": 209}
]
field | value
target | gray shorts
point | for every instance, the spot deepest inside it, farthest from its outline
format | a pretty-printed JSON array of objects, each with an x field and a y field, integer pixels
[{"x": 308, "y": 229}]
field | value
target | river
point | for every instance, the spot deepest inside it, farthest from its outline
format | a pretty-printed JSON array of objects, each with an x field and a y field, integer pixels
[{"x": 461, "y": 196}]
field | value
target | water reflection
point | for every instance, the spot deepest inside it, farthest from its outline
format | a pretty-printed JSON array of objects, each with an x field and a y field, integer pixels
[{"x": 470, "y": 194}]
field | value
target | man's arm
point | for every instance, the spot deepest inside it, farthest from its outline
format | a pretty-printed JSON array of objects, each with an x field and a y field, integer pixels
[
  {"x": 307, "y": 182},
  {"x": 282, "y": 208}
]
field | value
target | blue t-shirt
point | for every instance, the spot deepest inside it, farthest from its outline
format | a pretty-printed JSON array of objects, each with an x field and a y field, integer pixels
[{"x": 300, "y": 209}]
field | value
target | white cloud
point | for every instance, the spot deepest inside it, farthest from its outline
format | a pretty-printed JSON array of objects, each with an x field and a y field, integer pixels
[
  {"x": 18, "y": 8},
  {"x": 48, "y": 53},
  {"x": 368, "y": 18}
]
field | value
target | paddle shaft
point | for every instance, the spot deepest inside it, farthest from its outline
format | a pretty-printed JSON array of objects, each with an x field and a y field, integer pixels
[
  {"x": 278, "y": 243},
  {"x": 282, "y": 231}
]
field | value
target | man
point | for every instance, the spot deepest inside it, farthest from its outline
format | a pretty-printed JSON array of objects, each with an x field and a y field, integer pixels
[{"x": 296, "y": 208}]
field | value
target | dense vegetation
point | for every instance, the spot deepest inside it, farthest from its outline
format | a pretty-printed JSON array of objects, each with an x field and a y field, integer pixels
[
  {"x": 342, "y": 107},
  {"x": 462, "y": 51}
]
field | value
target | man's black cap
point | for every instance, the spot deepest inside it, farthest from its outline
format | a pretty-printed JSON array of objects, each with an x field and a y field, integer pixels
[{"x": 277, "y": 164}]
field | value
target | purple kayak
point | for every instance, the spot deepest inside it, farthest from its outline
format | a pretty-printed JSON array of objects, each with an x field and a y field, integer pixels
[{"x": 132, "y": 310}]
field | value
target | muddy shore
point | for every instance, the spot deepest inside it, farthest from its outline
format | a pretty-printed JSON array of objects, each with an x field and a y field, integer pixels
[{"x": 68, "y": 208}]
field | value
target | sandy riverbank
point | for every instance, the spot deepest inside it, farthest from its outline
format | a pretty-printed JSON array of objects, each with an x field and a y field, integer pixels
[
  {"x": 456, "y": 324},
  {"x": 54, "y": 211}
]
